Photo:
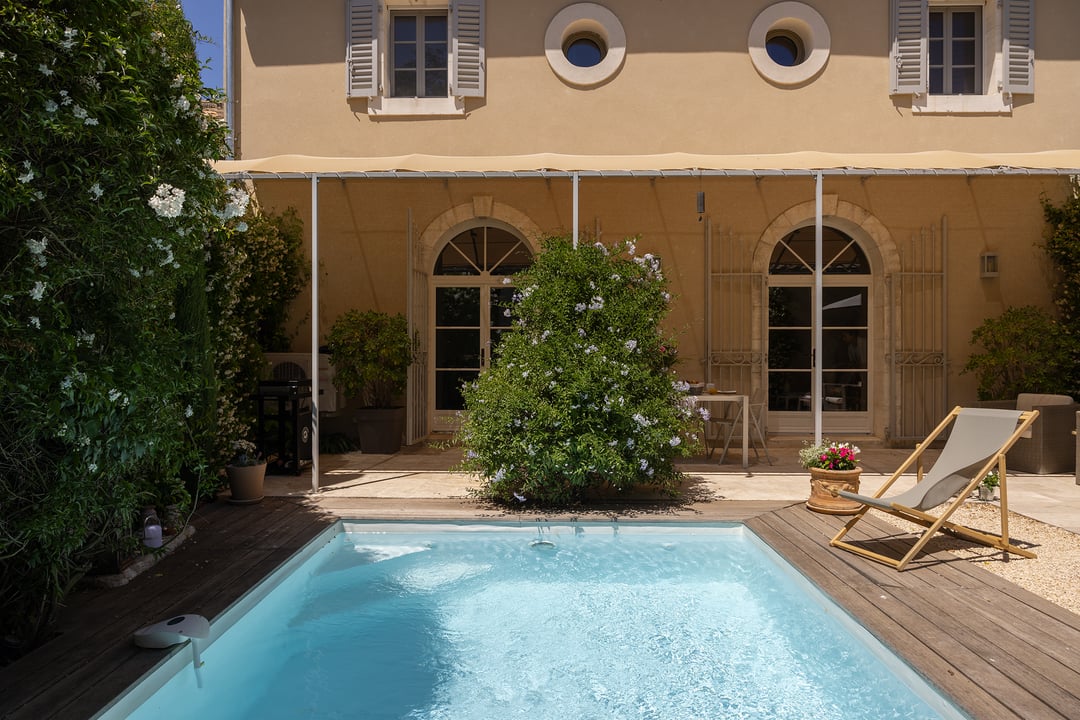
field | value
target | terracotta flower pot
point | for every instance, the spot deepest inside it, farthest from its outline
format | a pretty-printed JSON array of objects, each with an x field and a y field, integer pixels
[
  {"x": 824, "y": 484},
  {"x": 246, "y": 483}
]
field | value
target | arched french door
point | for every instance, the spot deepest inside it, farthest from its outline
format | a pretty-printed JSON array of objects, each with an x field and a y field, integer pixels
[
  {"x": 846, "y": 334},
  {"x": 469, "y": 300}
]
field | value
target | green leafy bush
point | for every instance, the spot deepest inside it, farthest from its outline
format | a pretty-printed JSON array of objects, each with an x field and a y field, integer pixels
[
  {"x": 1063, "y": 248},
  {"x": 254, "y": 275},
  {"x": 108, "y": 211},
  {"x": 581, "y": 394},
  {"x": 1024, "y": 350},
  {"x": 371, "y": 352}
]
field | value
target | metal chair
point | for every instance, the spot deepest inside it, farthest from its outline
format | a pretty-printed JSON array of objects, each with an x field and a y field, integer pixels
[{"x": 757, "y": 430}]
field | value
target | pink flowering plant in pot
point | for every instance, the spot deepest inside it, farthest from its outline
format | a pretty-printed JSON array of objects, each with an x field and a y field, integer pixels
[{"x": 829, "y": 455}]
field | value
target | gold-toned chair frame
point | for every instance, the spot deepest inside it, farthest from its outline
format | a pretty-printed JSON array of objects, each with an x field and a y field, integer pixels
[{"x": 935, "y": 523}]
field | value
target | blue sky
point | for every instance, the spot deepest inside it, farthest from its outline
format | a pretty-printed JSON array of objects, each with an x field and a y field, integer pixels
[{"x": 207, "y": 18}]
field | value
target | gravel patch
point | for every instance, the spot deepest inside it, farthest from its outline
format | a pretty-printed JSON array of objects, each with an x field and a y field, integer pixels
[{"x": 1054, "y": 575}]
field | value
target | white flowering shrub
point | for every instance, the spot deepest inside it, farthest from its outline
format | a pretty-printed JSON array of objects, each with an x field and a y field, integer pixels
[
  {"x": 108, "y": 212},
  {"x": 581, "y": 394}
]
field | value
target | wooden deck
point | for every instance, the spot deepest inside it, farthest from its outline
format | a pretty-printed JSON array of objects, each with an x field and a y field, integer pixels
[{"x": 997, "y": 650}]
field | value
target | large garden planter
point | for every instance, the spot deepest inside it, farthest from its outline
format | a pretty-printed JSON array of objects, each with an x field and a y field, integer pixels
[
  {"x": 380, "y": 430},
  {"x": 824, "y": 484},
  {"x": 246, "y": 483}
]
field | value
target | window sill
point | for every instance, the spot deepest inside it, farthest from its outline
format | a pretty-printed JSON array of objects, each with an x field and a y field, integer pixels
[
  {"x": 383, "y": 106},
  {"x": 996, "y": 104}
]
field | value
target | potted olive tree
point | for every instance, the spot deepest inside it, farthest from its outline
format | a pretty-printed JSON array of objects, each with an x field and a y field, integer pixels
[{"x": 371, "y": 353}]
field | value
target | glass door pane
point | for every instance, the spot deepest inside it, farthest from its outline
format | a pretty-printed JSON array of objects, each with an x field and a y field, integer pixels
[
  {"x": 790, "y": 348},
  {"x": 457, "y": 343},
  {"x": 844, "y": 335},
  {"x": 500, "y": 299}
]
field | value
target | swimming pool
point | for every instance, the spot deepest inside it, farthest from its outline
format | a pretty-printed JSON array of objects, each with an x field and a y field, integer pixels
[{"x": 585, "y": 620}]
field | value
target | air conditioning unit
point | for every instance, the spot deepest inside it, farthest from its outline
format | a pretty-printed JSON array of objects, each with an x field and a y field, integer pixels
[{"x": 297, "y": 366}]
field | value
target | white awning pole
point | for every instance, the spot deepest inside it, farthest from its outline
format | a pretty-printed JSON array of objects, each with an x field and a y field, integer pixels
[
  {"x": 314, "y": 334},
  {"x": 576, "y": 178},
  {"x": 816, "y": 389}
]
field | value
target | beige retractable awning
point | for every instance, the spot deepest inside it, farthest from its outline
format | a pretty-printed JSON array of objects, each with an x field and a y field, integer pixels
[{"x": 1053, "y": 162}]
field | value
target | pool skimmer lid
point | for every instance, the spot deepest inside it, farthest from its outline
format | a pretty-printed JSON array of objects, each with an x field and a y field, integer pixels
[{"x": 173, "y": 631}]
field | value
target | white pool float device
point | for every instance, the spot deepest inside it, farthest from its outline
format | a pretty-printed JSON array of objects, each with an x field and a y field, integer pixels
[{"x": 175, "y": 631}]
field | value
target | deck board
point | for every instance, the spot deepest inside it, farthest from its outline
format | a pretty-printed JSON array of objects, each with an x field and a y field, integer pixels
[
  {"x": 998, "y": 650},
  {"x": 997, "y": 663}
]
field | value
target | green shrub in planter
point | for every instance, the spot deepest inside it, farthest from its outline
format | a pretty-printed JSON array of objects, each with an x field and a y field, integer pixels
[
  {"x": 1024, "y": 350},
  {"x": 581, "y": 394},
  {"x": 371, "y": 353}
]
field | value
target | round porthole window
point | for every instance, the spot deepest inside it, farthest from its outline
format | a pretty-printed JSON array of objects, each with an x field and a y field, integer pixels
[
  {"x": 585, "y": 44},
  {"x": 585, "y": 50},
  {"x": 784, "y": 48},
  {"x": 789, "y": 43}
]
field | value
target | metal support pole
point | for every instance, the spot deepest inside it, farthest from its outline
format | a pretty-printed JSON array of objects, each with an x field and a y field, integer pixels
[
  {"x": 314, "y": 334},
  {"x": 575, "y": 179},
  {"x": 816, "y": 388}
]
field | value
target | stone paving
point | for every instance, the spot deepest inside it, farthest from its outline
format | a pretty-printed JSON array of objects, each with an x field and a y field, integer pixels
[{"x": 426, "y": 472}]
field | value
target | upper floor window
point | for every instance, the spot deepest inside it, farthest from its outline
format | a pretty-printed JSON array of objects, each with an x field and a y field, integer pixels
[
  {"x": 956, "y": 56},
  {"x": 420, "y": 55},
  {"x": 955, "y": 49},
  {"x": 410, "y": 57}
]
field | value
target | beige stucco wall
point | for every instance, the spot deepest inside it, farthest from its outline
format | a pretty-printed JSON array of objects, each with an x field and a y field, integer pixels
[
  {"x": 687, "y": 84},
  {"x": 364, "y": 231}
]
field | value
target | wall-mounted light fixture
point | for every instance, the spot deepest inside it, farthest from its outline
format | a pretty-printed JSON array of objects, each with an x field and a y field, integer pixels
[{"x": 988, "y": 264}]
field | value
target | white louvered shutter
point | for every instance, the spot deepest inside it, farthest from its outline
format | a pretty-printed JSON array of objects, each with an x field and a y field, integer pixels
[
  {"x": 1018, "y": 50},
  {"x": 907, "y": 58},
  {"x": 468, "y": 48},
  {"x": 362, "y": 60}
]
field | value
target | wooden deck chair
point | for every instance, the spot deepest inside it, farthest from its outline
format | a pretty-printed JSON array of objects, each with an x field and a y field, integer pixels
[{"x": 977, "y": 443}]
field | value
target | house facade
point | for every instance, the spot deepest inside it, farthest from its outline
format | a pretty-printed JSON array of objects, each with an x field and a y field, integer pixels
[{"x": 430, "y": 145}]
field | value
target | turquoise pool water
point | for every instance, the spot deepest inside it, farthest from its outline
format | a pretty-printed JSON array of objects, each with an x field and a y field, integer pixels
[{"x": 554, "y": 621}]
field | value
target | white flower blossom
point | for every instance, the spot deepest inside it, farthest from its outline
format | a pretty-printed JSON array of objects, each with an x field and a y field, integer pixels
[
  {"x": 90, "y": 121},
  {"x": 506, "y": 281},
  {"x": 675, "y": 441},
  {"x": 79, "y": 111},
  {"x": 580, "y": 307},
  {"x": 631, "y": 345},
  {"x": 597, "y": 303},
  {"x": 37, "y": 247},
  {"x": 35, "y": 322},
  {"x": 28, "y": 175},
  {"x": 238, "y": 203},
  {"x": 44, "y": 69},
  {"x": 51, "y": 106},
  {"x": 182, "y": 104},
  {"x": 96, "y": 191},
  {"x": 167, "y": 202},
  {"x": 38, "y": 290},
  {"x": 65, "y": 98},
  {"x": 188, "y": 411}
]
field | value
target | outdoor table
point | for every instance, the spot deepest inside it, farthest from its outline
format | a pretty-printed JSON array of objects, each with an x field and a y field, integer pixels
[{"x": 728, "y": 397}]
